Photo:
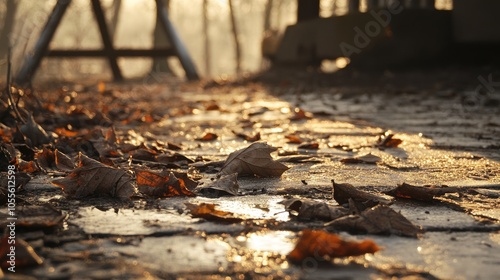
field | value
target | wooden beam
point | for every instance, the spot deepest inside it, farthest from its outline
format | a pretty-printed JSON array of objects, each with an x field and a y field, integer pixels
[
  {"x": 106, "y": 40},
  {"x": 32, "y": 62},
  {"x": 117, "y": 52}
]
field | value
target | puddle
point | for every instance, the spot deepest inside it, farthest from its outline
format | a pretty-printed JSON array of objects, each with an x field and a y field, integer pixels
[
  {"x": 446, "y": 255},
  {"x": 251, "y": 207},
  {"x": 180, "y": 254},
  {"x": 281, "y": 242},
  {"x": 128, "y": 221}
]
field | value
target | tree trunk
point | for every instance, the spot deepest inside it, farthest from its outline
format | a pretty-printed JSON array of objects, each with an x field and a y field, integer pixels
[{"x": 235, "y": 37}]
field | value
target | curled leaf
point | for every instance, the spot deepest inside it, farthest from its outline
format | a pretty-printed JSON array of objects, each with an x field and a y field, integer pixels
[
  {"x": 343, "y": 192},
  {"x": 387, "y": 140},
  {"x": 225, "y": 185},
  {"x": 253, "y": 160},
  {"x": 306, "y": 209},
  {"x": 423, "y": 193},
  {"x": 94, "y": 178},
  {"x": 380, "y": 219},
  {"x": 34, "y": 132},
  {"x": 161, "y": 184},
  {"x": 321, "y": 244}
]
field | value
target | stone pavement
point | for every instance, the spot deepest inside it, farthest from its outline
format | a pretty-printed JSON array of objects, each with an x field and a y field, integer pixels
[{"x": 450, "y": 136}]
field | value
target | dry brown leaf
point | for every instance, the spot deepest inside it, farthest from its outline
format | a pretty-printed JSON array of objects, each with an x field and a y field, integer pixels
[
  {"x": 27, "y": 166},
  {"x": 247, "y": 137},
  {"x": 293, "y": 139},
  {"x": 343, "y": 192},
  {"x": 253, "y": 160},
  {"x": 423, "y": 193},
  {"x": 34, "y": 132},
  {"x": 306, "y": 209},
  {"x": 324, "y": 245},
  {"x": 309, "y": 146},
  {"x": 368, "y": 158},
  {"x": 94, "y": 178},
  {"x": 54, "y": 160},
  {"x": 163, "y": 184},
  {"x": 104, "y": 145},
  {"x": 387, "y": 140},
  {"x": 208, "y": 212},
  {"x": 208, "y": 137},
  {"x": 225, "y": 185},
  {"x": 380, "y": 219},
  {"x": 300, "y": 114}
]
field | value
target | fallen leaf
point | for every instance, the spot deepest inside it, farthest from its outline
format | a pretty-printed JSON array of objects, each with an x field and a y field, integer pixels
[
  {"x": 208, "y": 212},
  {"x": 54, "y": 160},
  {"x": 104, "y": 145},
  {"x": 225, "y": 185},
  {"x": 246, "y": 137},
  {"x": 293, "y": 139},
  {"x": 163, "y": 184},
  {"x": 387, "y": 140},
  {"x": 300, "y": 114},
  {"x": 380, "y": 219},
  {"x": 423, "y": 193},
  {"x": 323, "y": 245},
  {"x": 94, "y": 178},
  {"x": 25, "y": 256},
  {"x": 208, "y": 137},
  {"x": 306, "y": 209},
  {"x": 368, "y": 158},
  {"x": 61, "y": 131},
  {"x": 253, "y": 160},
  {"x": 309, "y": 146},
  {"x": 27, "y": 166},
  {"x": 34, "y": 132},
  {"x": 343, "y": 192}
]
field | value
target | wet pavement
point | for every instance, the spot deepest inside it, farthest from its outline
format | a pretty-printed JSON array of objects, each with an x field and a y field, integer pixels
[{"x": 445, "y": 141}]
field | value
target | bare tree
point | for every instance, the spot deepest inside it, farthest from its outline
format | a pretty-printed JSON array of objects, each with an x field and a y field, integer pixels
[
  {"x": 235, "y": 36},
  {"x": 267, "y": 15}
]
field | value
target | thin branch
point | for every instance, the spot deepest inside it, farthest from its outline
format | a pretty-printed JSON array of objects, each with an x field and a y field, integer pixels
[{"x": 12, "y": 104}]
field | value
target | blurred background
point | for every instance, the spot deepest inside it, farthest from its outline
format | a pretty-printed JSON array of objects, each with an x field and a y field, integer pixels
[{"x": 204, "y": 26}]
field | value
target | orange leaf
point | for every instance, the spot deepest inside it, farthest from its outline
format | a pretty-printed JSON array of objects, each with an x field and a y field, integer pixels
[
  {"x": 300, "y": 115},
  {"x": 161, "y": 184},
  {"x": 61, "y": 131},
  {"x": 319, "y": 243},
  {"x": 207, "y": 211},
  {"x": 309, "y": 146},
  {"x": 293, "y": 139},
  {"x": 208, "y": 137},
  {"x": 28, "y": 166}
]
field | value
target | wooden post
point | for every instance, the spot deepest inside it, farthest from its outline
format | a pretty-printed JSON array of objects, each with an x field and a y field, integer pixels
[
  {"x": 177, "y": 45},
  {"x": 32, "y": 62},
  {"x": 106, "y": 40}
]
